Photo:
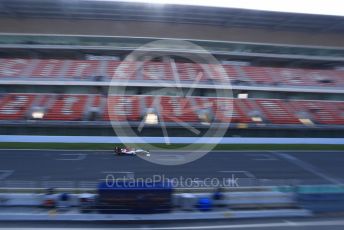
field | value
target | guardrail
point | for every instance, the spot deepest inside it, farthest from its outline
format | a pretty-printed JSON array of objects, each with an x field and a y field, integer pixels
[
  {"x": 75, "y": 216},
  {"x": 301, "y": 201},
  {"x": 251, "y": 204},
  {"x": 231, "y": 199}
]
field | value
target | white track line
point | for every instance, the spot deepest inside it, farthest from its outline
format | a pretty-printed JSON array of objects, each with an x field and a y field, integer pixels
[
  {"x": 262, "y": 157},
  {"x": 246, "y": 173},
  {"x": 5, "y": 173},
  {"x": 308, "y": 167},
  {"x": 78, "y": 157}
]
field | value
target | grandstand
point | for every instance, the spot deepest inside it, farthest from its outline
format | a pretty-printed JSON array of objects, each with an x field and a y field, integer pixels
[
  {"x": 72, "y": 108},
  {"x": 54, "y": 69},
  {"x": 281, "y": 86}
]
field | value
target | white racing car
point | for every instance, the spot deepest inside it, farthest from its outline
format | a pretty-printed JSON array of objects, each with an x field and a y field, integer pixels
[{"x": 130, "y": 151}]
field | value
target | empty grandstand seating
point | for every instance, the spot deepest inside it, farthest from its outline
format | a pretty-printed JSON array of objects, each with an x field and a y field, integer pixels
[
  {"x": 120, "y": 108},
  {"x": 166, "y": 71},
  {"x": 15, "y": 67},
  {"x": 82, "y": 69},
  {"x": 155, "y": 71},
  {"x": 322, "y": 112},
  {"x": 174, "y": 109},
  {"x": 259, "y": 75},
  {"x": 67, "y": 107},
  {"x": 228, "y": 110},
  {"x": 72, "y": 107},
  {"x": 276, "y": 111},
  {"x": 14, "y": 106},
  {"x": 48, "y": 68}
]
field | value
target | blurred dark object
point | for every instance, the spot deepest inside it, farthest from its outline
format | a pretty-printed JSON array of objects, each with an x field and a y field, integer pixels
[
  {"x": 134, "y": 197},
  {"x": 49, "y": 199},
  {"x": 98, "y": 78},
  {"x": 63, "y": 203},
  {"x": 87, "y": 202},
  {"x": 218, "y": 194},
  {"x": 321, "y": 199}
]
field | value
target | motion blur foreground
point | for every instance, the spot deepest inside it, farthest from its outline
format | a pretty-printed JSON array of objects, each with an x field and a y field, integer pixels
[{"x": 262, "y": 90}]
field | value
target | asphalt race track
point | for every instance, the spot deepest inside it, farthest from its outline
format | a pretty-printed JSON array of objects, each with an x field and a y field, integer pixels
[
  {"x": 56, "y": 168},
  {"x": 319, "y": 223}
]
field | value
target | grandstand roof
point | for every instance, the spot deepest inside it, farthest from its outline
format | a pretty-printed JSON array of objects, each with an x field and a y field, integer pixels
[{"x": 124, "y": 11}]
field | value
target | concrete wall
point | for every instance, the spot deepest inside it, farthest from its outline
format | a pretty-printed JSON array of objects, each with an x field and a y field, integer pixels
[{"x": 169, "y": 30}]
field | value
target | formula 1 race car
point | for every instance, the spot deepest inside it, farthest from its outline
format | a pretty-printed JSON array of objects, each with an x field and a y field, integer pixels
[{"x": 129, "y": 151}]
